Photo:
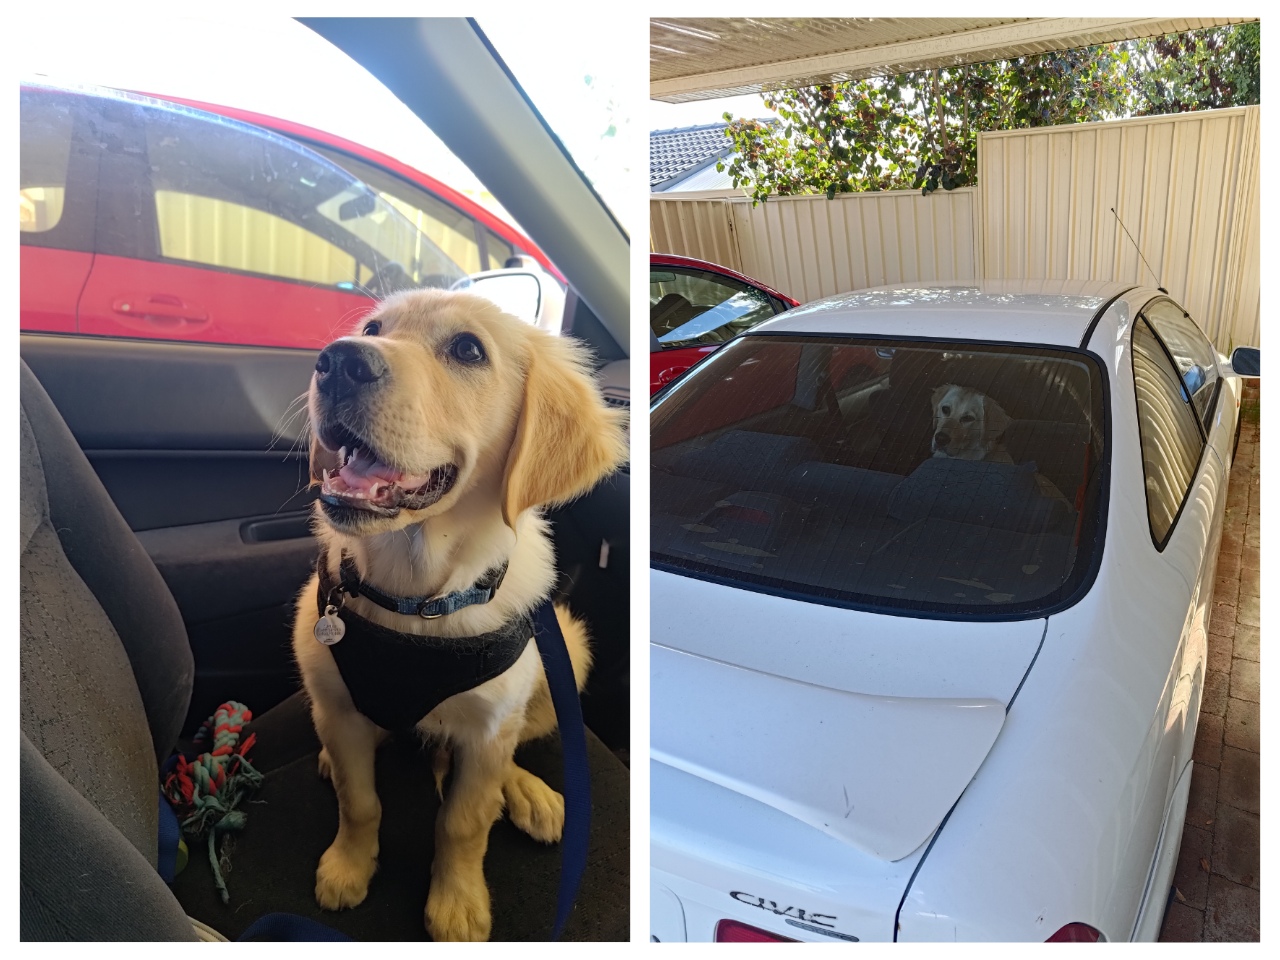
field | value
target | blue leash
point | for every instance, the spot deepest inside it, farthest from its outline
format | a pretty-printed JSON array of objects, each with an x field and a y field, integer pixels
[
  {"x": 573, "y": 740},
  {"x": 577, "y": 799}
]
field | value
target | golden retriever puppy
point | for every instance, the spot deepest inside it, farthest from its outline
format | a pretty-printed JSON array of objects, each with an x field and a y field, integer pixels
[
  {"x": 968, "y": 425},
  {"x": 441, "y": 426}
]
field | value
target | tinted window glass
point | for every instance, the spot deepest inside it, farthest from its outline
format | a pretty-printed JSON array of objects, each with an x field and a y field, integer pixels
[
  {"x": 212, "y": 169},
  {"x": 688, "y": 307},
  {"x": 499, "y": 250},
  {"x": 952, "y": 479},
  {"x": 1194, "y": 355},
  {"x": 45, "y": 154},
  {"x": 1171, "y": 442},
  {"x": 449, "y": 229}
]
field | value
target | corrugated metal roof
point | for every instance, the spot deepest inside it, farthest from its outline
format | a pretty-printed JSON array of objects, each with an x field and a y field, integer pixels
[
  {"x": 681, "y": 151},
  {"x": 704, "y": 58}
]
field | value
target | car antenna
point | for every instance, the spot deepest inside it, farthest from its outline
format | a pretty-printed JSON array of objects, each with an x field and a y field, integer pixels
[{"x": 1139, "y": 249}]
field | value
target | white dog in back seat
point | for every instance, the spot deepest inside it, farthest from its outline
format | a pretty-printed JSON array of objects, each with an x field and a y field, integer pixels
[{"x": 968, "y": 425}]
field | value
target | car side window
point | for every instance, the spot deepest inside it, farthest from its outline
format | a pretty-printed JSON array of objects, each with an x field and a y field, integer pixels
[
  {"x": 451, "y": 230},
  {"x": 499, "y": 250},
  {"x": 233, "y": 197},
  {"x": 56, "y": 173},
  {"x": 692, "y": 307},
  {"x": 1171, "y": 439},
  {"x": 1194, "y": 355}
]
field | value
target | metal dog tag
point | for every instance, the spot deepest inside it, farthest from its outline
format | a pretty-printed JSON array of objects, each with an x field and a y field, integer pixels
[{"x": 329, "y": 629}]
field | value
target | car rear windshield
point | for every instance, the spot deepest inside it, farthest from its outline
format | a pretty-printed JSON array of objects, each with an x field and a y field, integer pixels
[{"x": 957, "y": 480}]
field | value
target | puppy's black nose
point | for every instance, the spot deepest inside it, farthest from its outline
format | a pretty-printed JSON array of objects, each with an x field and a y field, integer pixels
[
  {"x": 941, "y": 439},
  {"x": 347, "y": 366}
]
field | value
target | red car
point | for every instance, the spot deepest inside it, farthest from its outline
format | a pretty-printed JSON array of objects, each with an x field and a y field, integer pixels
[
  {"x": 146, "y": 218},
  {"x": 695, "y": 306}
]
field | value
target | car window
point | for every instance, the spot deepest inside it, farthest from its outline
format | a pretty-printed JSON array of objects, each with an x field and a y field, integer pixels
[
  {"x": 1193, "y": 354},
  {"x": 45, "y": 154},
  {"x": 688, "y": 307},
  {"x": 1171, "y": 441},
  {"x": 206, "y": 168},
  {"x": 451, "y": 230},
  {"x": 49, "y": 160},
  {"x": 957, "y": 480},
  {"x": 499, "y": 250}
]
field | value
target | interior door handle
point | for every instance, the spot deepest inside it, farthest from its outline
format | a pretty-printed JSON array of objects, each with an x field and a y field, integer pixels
[{"x": 160, "y": 308}]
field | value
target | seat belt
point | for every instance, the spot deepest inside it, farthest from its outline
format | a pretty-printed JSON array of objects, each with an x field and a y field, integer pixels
[
  {"x": 573, "y": 742},
  {"x": 577, "y": 799}
]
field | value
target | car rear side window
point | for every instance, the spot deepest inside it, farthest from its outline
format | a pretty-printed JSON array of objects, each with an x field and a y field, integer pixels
[
  {"x": 695, "y": 307},
  {"x": 1171, "y": 440},
  {"x": 933, "y": 479},
  {"x": 45, "y": 155},
  {"x": 1193, "y": 354},
  {"x": 56, "y": 189}
]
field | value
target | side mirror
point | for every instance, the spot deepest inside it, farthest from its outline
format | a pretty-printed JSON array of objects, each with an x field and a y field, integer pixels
[
  {"x": 1246, "y": 361},
  {"x": 533, "y": 297}
]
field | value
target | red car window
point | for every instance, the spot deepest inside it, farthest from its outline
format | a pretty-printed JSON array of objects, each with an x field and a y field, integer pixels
[
  {"x": 204, "y": 229},
  {"x": 693, "y": 307}
]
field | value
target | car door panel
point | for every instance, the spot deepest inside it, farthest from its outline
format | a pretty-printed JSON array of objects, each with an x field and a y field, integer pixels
[
  {"x": 195, "y": 446},
  {"x": 163, "y": 300},
  {"x": 51, "y": 281}
]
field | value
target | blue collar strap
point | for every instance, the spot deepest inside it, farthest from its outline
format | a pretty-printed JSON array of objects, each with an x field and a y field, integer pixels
[{"x": 428, "y": 608}]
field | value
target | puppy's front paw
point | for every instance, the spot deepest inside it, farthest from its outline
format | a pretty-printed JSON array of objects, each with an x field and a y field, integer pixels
[
  {"x": 342, "y": 880},
  {"x": 533, "y": 806},
  {"x": 458, "y": 909}
]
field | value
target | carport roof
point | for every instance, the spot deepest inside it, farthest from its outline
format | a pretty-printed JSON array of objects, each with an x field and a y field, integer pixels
[{"x": 704, "y": 58}]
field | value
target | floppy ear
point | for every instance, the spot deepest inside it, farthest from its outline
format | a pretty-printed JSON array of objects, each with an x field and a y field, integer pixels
[
  {"x": 567, "y": 437},
  {"x": 321, "y": 459},
  {"x": 939, "y": 394},
  {"x": 995, "y": 420}
]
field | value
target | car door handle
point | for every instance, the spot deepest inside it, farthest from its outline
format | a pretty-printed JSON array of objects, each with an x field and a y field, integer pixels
[{"x": 163, "y": 309}]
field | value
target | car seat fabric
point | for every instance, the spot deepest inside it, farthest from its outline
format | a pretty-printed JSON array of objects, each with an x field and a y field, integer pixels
[
  {"x": 294, "y": 817},
  {"x": 105, "y": 677},
  {"x": 1000, "y": 495},
  {"x": 80, "y": 878},
  {"x": 105, "y": 666},
  {"x": 107, "y": 558}
]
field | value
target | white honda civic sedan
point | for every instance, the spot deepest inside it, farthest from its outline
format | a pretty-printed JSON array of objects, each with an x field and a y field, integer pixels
[{"x": 931, "y": 575}]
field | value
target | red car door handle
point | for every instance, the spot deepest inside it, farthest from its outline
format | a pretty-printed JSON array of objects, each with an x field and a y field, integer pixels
[{"x": 160, "y": 308}]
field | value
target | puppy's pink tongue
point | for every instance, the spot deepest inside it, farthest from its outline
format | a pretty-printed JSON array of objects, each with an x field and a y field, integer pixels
[{"x": 372, "y": 478}]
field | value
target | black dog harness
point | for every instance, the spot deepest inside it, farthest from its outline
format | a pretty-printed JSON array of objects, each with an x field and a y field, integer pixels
[{"x": 397, "y": 678}]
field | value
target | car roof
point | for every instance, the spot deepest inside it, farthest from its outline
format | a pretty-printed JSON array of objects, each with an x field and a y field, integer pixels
[{"x": 1055, "y": 312}]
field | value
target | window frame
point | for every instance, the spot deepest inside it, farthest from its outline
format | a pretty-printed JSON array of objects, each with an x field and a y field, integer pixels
[
  {"x": 1089, "y": 573},
  {"x": 1185, "y": 397}
]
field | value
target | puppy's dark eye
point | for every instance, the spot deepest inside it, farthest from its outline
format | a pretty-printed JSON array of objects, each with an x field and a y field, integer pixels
[
  {"x": 466, "y": 348},
  {"x": 946, "y": 409},
  {"x": 372, "y": 328},
  {"x": 967, "y": 418}
]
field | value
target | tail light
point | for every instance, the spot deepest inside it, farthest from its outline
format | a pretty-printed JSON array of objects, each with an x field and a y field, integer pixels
[
  {"x": 1076, "y": 933},
  {"x": 731, "y": 931}
]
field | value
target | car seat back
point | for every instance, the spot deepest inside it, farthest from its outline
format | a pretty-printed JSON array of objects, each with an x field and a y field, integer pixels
[{"x": 106, "y": 675}]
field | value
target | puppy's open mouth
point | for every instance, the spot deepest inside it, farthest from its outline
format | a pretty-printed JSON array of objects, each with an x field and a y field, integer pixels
[{"x": 366, "y": 481}]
